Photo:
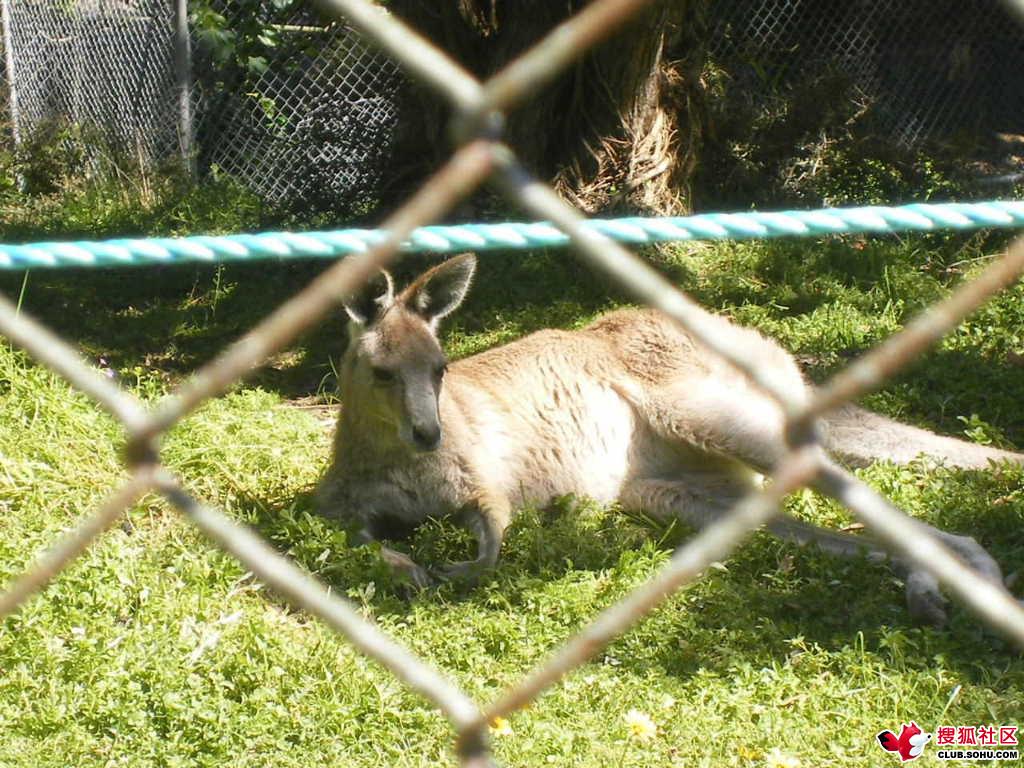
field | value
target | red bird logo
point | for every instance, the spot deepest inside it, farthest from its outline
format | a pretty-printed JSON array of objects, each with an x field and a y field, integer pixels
[{"x": 910, "y": 743}]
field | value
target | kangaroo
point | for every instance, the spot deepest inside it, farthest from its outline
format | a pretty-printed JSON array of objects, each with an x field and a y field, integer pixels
[{"x": 630, "y": 409}]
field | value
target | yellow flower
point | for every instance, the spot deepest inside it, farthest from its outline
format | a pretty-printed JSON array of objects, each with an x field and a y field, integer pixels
[
  {"x": 499, "y": 726},
  {"x": 640, "y": 725},
  {"x": 778, "y": 759}
]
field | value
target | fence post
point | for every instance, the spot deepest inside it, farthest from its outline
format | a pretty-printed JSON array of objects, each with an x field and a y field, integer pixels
[
  {"x": 12, "y": 86},
  {"x": 12, "y": 89},
  {"x": 183, "y": 77}
]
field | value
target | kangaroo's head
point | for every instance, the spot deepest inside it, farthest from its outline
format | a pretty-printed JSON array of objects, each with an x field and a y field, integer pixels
[{"x": 394, "y": 367}]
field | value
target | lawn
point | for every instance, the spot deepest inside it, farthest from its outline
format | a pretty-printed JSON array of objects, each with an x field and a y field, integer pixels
[{"x": 156, "y": 649}]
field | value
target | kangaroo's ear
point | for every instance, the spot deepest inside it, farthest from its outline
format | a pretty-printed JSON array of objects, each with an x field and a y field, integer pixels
[
  {"x": 439, "y": 291},
  {"x": 366, "y": 305}
]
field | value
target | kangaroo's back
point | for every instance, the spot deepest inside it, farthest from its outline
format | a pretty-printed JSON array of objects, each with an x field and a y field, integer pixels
[{"x": 653, "y": 349}]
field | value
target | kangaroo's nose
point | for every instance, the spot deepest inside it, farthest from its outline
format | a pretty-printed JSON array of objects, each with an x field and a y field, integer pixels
[{"x": 427, "y": 438}]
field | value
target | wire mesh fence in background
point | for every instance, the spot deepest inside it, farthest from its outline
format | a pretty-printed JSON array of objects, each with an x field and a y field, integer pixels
[
  {"x": 927, "y": 70},
  {"x": 298, "y": 107},
  {"x": 482, "y": 157},
  {"x": 103, "y": 68},
  {"x": 305, "y": 118}
]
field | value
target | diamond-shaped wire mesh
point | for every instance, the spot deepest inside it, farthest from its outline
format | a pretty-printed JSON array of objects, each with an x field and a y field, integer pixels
[
  {"x": 479, "y": 158},
  {"x": 930, "y": 69},
  {"x": 311, "y": 121},
  {"x": 105, "y": 67},
  {"x": 312, "y": 124}
]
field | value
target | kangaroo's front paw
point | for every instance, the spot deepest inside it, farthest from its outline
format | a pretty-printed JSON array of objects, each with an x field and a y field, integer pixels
[{"x": 924, "y": 600}]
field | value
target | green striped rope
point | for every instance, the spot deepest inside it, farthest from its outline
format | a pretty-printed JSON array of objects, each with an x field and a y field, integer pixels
[{"x": 513, "y": 235}]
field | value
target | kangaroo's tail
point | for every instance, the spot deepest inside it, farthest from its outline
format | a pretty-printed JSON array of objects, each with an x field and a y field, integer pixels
[{"x": 858, "y": 437}]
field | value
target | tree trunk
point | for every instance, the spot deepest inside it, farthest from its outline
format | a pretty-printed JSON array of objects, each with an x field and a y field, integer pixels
[{"x": 619, "y": 130}]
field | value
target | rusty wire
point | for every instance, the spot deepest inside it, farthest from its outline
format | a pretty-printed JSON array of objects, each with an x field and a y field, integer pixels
[{"x": 479, "y": 108}]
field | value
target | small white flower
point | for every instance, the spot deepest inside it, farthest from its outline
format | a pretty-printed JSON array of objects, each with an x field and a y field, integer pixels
[
  {"x": 778, "y": 759},
  {"x": 640, "y": 725}
]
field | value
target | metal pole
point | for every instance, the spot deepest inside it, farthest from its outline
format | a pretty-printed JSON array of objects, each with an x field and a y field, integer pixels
[
  {"x": 183, "y": 73},
  {"x": 12, "y": 86},
  {"x": 5, "y": 13}
]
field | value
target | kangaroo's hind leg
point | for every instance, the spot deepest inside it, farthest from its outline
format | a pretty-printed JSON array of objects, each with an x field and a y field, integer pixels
[
  {"x": 699, "y": 498},
  {"x": 728, "y": 420}
]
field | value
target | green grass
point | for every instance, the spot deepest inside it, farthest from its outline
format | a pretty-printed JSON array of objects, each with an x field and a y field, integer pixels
[{"x": 156, "y": 649}]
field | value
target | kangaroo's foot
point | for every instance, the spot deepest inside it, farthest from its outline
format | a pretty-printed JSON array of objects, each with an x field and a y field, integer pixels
[{"x": 925, "y": 601}]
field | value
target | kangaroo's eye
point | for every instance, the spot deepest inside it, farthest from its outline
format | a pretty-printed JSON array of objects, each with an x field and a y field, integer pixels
[
  {"x": 441, "y": 370},
  {"x": 383, "y": 375}
]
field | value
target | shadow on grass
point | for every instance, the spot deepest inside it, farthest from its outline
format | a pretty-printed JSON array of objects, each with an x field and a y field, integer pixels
[{"x": 163, "y": 322}]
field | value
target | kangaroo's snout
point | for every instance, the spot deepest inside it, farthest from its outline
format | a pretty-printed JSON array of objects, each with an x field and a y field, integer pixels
[
  {"x": 422, "y": 415},
  {"x": 427, "y": 438}
]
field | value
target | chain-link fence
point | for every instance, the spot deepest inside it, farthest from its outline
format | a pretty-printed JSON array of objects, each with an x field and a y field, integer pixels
[
  {"x": 853, "y": 102},
  {"x": 482, "y": 156},
  {"x": 304, "y": 114},
  {"x": 302, "y": 111},
  {"x": 104, "y": 68},
  {"x": 927, "y": 70},
  {"x": 298, "y": 109}
]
